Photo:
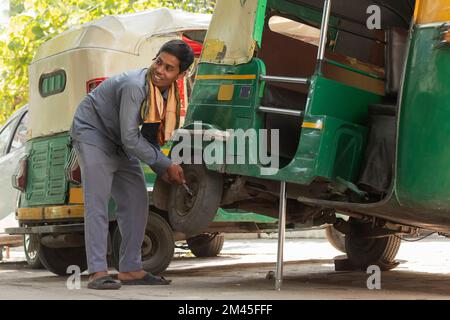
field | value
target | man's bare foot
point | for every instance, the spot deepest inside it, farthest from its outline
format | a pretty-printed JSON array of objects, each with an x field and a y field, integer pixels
[
  {"x": 97, "y": 275},
  {"x": 132, "y": 275}
]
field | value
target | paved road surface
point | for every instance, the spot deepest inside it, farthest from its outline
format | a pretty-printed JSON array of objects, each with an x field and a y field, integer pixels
[{"x": 240, "y": 273}]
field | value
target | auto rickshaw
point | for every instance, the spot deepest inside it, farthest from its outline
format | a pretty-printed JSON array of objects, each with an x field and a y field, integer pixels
[
  {"x": 51, "y": 205},
  {"x": 354, "y": 97}
]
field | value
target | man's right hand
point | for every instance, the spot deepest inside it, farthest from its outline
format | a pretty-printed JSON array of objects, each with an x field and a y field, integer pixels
[{"x": 175, "y": 174}]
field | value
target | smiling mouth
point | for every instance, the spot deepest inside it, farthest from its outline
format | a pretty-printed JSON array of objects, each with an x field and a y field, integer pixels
[{"x": 157, "y": 78}]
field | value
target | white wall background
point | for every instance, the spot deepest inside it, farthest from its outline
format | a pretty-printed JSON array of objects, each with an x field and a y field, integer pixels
[{"x": 4, "y": 12}]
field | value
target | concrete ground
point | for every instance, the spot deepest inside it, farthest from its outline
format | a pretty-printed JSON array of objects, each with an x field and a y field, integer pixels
[{"x": 241, "y": 272}]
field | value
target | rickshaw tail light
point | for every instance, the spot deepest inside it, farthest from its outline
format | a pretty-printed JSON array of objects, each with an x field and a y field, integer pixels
[
  {"x": 94, "y": 83},
  {"x": 19, "y": 179}
]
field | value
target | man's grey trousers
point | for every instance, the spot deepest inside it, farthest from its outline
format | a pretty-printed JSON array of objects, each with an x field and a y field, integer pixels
[{"x": 112, "y": 175}]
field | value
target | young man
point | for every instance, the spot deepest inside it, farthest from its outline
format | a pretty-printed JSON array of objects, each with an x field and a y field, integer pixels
[{"x": 109, "y": 144}]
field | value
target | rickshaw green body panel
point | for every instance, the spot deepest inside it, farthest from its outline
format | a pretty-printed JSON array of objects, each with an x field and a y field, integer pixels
[
  {"x": 335, "y": 150},
  {"x": 423, "y": 163},
  {"x": 241, "y": 216},
  {"x": 150, "y": 176},
  {"x": 238, "y": 113},
  {"x": 46, "y": 183}
]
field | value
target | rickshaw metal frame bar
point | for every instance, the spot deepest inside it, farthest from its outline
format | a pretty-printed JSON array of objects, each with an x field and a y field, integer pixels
[
  {"x": 58, "y": 228},
  {"x": 288, "y": 112},
  {"x": 284, "y": 79},
  {"x": 439, "y": 25},
  {"x": 324, "y": 29},
  {"x": 281, "y": 236}
]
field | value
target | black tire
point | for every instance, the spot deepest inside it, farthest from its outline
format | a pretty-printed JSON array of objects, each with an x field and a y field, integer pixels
[
  {"x": 158, "y": 246},
  {"x": 206, "y": 245},
  {"x": 192, "y": 215},
  {"x": 32, "y": 248},
  {"x": 335, "y": 238},
  {"x": 57, "y": 260},
  {"x": 363, "y": 252}
]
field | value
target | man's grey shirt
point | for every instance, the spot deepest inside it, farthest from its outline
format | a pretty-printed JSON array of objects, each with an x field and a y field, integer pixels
[{"x": 109, "y": 118}]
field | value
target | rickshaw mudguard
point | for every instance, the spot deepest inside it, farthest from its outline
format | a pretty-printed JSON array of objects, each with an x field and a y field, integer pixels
[
  {"x": 336, "y": 117},
  {"x": 334, "y": 131}
]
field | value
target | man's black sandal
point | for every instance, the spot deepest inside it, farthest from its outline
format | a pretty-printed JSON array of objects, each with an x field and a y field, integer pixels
[
  {"x": 104, "y": 283},
  {"x": 148, "y": 279}
]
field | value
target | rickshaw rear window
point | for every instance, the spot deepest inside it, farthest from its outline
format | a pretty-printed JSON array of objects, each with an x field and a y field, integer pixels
[
  {"x": 295, "y": 30},
  {"x": 52, "y": 83}
]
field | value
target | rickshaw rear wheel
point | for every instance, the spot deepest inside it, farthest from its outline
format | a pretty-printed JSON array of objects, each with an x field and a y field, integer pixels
[
  {"x": 192, "y": 213},
  {"x": 206, "y": 245},
  {"x": 335, "y": 238},
  {"x": 157, "y": 248},
  {"x": 57, "y": 260},
  {"x": 31, "y": 248},
  {"x": 364, "y": 252}
]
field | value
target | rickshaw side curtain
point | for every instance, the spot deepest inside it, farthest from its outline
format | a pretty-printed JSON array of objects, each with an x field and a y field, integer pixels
[{"x": 230, "y": 36}]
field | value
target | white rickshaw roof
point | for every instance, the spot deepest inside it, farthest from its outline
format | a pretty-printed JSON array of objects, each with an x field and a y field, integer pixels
[{"x": 123, "y": 33}]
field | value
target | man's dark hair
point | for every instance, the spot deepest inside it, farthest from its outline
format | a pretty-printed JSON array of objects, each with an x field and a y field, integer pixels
[{"x": 181, "y": 50}]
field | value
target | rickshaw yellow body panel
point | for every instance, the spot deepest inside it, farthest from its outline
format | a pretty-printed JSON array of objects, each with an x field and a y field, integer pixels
[
  {"x": 430, "y": 11},
  {"x": 50, "y": 213}
]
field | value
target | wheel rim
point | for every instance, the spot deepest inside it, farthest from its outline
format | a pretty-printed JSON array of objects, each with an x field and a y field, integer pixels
[
  {"x": 30, "y": 247},
  {"x": 185, "y": 202},
  {"x": 148, "y": 248}
]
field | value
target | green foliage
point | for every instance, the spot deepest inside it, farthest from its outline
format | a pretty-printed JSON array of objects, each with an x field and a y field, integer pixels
[
  {"x": 33, "y": 22},
  {"x": 15, "y": 7}
]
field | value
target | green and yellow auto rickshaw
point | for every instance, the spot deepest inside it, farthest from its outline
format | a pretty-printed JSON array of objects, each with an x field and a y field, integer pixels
[
  {"x": 354, "y": 99},
  {"x": 51, "y": 207}
]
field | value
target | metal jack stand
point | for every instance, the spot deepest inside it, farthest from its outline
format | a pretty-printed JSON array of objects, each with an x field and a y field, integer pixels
[{"x": 281, "y": 236}]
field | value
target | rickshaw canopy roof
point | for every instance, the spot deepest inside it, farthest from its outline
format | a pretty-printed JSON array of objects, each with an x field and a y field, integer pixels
[{"x": 123, "y": 33}]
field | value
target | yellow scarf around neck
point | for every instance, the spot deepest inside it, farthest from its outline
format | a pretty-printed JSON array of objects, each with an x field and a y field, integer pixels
[{"x": 155, "y": 110}]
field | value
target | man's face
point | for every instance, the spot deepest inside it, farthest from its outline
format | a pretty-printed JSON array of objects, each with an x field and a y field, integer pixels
[{"x": 165, "y": 70}]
